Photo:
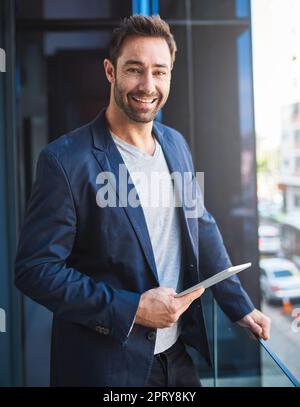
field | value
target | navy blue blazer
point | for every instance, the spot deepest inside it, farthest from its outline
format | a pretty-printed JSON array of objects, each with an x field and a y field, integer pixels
[{"x": 89, "y": 265}]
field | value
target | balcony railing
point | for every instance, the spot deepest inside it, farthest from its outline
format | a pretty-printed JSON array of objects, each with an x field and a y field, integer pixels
[{"x": 240, "y": 360}]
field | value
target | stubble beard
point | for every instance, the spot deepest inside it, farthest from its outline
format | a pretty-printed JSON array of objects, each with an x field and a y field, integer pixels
[{"x": 134, "y": 114}]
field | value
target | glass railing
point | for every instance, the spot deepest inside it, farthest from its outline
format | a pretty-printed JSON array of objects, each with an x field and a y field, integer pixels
[
  {"x": 274, "y": 372},
  {"x": 266, "y": 370},
  {"x": 240, "y": 360}
]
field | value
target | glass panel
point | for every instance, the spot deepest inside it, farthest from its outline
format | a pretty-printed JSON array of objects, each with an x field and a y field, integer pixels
[
  {"x": 171, "y": 9},
  {"x": 72, "y": 9},
  {"x": 176, "y": 111},
  {"x": 10, "y": 332},
  {"x": 246, "y": 363},
  {"x": 5, "y": 338},
  {"x": 219, "y": 9},
  {"x": 204, "y": 9},
  {"x": 238, "y": 356},
  {"x": 243, "y": 373},
  {"x": 273, "y": 372}
]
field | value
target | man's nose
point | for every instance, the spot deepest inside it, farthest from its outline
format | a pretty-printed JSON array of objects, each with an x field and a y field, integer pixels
[{"x": 147, "y": 83}]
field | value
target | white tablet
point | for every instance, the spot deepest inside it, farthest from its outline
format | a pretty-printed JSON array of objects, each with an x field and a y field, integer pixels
[{"x": 216, "y": 278}]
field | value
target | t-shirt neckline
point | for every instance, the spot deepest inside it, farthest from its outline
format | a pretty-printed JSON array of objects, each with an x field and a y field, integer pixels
[{"x": 135, "y": 150}]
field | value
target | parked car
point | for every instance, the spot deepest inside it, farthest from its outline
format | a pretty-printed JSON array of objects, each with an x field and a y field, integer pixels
[
  {"x": 279, "y": 279},
  {"x": 269, "y": 239}
]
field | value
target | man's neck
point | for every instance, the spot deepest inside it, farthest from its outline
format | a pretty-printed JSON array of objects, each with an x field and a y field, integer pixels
[{"x": 137, "y": 134}]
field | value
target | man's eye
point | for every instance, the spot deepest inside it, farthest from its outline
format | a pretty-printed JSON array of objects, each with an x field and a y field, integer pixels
[
  {"x": 133, "y": 70},
  {"x": 160, "y": 73}
]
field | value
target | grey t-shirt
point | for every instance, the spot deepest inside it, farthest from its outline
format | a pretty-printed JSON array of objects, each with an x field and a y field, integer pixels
[{"x": 151, "y": 177}]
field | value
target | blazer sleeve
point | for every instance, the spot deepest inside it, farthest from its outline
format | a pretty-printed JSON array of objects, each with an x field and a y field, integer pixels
[
  {"x": 41, "y": 270},
  {"x": 213, "y": 258}
]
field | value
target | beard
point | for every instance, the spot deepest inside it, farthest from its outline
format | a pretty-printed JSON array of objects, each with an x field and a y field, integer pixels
[{"x": 133, "y": 112}]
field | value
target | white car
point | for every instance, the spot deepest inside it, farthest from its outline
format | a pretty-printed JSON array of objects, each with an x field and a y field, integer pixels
[
  {"x": 279, "y": 279},
  {"x": 269, "y": 239}
]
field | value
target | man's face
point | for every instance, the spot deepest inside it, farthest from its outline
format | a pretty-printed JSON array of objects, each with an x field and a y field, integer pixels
[{"x": 142, "y": 79}]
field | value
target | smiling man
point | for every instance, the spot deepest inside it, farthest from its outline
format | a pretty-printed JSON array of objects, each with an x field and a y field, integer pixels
[
  {"x": 139, "y": 63},
  {"x": 109, "y": 273}
]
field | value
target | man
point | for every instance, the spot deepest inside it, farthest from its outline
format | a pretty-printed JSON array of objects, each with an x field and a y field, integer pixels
[{"x": 110, "y": 272}]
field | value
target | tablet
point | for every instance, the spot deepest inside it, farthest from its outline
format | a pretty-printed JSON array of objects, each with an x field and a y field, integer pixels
[{"x": 216, "y": 278}]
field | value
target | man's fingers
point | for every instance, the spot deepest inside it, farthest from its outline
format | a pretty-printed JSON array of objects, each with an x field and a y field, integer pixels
[
  {"x": 264, "y": 323},
  {"x": 266, "y": 330},
  {"x": 255, "y": 328}
]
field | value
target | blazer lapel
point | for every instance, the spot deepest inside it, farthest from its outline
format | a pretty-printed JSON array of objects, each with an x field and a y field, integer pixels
[
  {"x": 109, "y": 159},
  {"x": 172, "y": 157}
]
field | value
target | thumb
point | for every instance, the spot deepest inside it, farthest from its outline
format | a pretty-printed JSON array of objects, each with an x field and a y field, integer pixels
[{"x": 195, "y": 294}]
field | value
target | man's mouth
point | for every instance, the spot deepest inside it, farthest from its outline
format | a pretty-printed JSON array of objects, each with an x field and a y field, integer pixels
[{"x": 142, "y": 101}]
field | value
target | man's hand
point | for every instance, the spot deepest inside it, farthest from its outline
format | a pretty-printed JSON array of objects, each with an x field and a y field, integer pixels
[
  {"x": 258, "y": 323},
  {"x": 158, "y": 308}
]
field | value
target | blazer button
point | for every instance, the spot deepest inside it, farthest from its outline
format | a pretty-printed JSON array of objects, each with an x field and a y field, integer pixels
[
  {"x": 151, "y": 336},
  {"x": 106, "y": 331},
  {"x": 102, "y": 330}
]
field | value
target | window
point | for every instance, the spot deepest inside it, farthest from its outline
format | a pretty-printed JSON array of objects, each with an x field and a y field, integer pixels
[{"x": 282, "y": 273}]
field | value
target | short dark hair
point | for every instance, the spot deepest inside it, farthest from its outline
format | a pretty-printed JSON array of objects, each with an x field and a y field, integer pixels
[{"x": 145, "y": 26}]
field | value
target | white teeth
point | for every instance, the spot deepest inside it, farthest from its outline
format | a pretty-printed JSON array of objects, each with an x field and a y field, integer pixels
[{"x": 144, "y": 100}]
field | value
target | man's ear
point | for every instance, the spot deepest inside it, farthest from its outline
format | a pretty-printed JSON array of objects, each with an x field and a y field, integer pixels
[{"x": 109, "y": 70}]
